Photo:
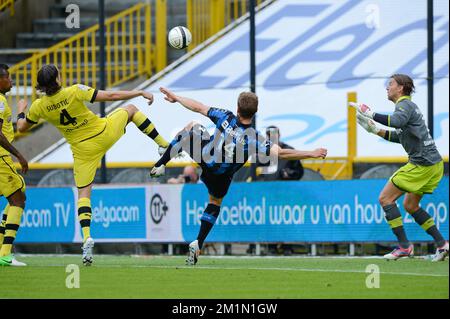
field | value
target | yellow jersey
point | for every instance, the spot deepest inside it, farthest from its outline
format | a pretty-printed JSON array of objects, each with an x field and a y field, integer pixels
[
  {"x": 67, "y": 112},
  {"x": 7, "y": 127}
]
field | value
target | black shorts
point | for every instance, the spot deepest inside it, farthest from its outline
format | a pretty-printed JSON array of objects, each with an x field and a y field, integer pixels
[{"x": 217, "y": 185}]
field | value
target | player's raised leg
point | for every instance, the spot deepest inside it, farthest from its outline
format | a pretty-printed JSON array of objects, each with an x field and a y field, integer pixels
[
  {"x": 173, "y": 149},
  {"x": 387, "y": 199},
  {"x": 146, "y": 126}
]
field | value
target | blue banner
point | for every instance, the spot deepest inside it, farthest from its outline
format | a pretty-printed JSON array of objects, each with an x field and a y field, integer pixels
[
  {"x": 319, "y": 211},
  {"x": 118, "y": 213},
  {"x": 49, "y": 216},
  {"x": 310, "y": 211}
]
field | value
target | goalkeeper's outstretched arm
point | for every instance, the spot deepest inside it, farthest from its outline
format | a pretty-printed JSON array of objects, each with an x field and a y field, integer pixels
[
  {"x": 371, "y": 127},
  {"x": 397, "y": 120}
]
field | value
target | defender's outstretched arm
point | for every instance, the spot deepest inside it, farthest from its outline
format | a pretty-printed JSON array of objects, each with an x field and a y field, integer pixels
[
  {"x": 292, "y": 155},
  {"x": 188, "y": 103}
]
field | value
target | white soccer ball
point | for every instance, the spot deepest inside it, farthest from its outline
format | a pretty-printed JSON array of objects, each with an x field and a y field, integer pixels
[{"x": 179, "y": 37}]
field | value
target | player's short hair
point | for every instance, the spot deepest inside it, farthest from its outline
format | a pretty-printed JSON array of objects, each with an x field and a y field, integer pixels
[
  {"x": 247, "y": 104},
  {"x": 3, "y": 69},
  {"x": 46, "y": 79},
  {"x": 405, "y": 81}
]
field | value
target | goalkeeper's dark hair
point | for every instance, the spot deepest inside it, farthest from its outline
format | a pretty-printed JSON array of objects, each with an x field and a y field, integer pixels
[
  {"x": 405, "y": 81},
  {"x": 3, "y": 69},
  {"x": 46, "y": 79}
]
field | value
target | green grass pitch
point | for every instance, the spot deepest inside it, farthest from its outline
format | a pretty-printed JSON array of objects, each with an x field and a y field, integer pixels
[{"x": 229, "y": 277}]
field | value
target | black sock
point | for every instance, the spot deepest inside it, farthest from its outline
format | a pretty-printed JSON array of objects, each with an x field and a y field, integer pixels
[
  {"x": 208, "y": 220},
  {"x": 394, "y": 218},
  {"x": 165, "y": 158},
  {"x": 427, "y": 223},
  {"x": 175, "y": 145},
  {"x": 205, "y": 228}
]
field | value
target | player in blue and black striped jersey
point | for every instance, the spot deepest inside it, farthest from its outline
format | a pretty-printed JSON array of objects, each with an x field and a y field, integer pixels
[{"x": 223, "y": 153}]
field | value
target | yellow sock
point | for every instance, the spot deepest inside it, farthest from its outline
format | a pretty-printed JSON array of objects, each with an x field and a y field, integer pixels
[
  {"x": 3, "y": 224},
  {"x": 148, "y": 128},
  {"x": 11, "y": 228},
  {"x": 84, "y": 216}
]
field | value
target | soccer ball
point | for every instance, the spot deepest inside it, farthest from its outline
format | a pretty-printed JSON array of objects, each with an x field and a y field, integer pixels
[{"x": 179, "y": 37}]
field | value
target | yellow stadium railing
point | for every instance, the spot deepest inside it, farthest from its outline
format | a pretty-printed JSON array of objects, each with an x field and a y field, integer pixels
[
  {"x": 351, "y": 133},
  {"x": 130, "y": 51},
  {"x": 331, "y": 168},
  {"x": 207, "y": 17},
  {"x": 5, "y": 4}
]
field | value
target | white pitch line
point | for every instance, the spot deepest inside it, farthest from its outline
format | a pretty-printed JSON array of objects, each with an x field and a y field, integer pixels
[
  {"x": 259, "y": 268},
  {"x": 298, "y": 269},
  {"x": 237, "y": 257}
]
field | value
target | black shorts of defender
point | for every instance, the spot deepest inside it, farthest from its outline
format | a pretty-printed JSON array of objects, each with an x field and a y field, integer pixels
[{"x": 217, "y": 184}]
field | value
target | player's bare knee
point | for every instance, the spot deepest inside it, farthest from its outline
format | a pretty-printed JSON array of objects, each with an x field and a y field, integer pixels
[
  {"x": 381, "y": 199},
  {"x": 215, "y": 201},
  {"x": 385, "y": 200},
  {"x": 17, "y": 199},
  {"x": 85, "y": 192},
  {"x": 22, "y": 199},
  {"x": 131, "y": 109},
  {"x": 410, "y": 207}
]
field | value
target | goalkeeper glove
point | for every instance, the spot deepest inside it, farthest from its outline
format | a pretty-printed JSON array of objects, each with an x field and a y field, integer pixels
[
  {"x": 362, "y": 109},
  {"x": 367, "y": 124}
]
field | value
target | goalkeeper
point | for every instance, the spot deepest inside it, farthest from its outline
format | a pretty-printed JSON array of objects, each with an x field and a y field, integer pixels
[{"x": 422, "y": 173}]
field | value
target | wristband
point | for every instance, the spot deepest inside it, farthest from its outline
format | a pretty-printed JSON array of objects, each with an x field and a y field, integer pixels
[{"x": 21, "y": 115}]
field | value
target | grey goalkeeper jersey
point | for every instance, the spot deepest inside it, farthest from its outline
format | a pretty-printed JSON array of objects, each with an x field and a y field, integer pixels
[{"x": 412, "y": 132}]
